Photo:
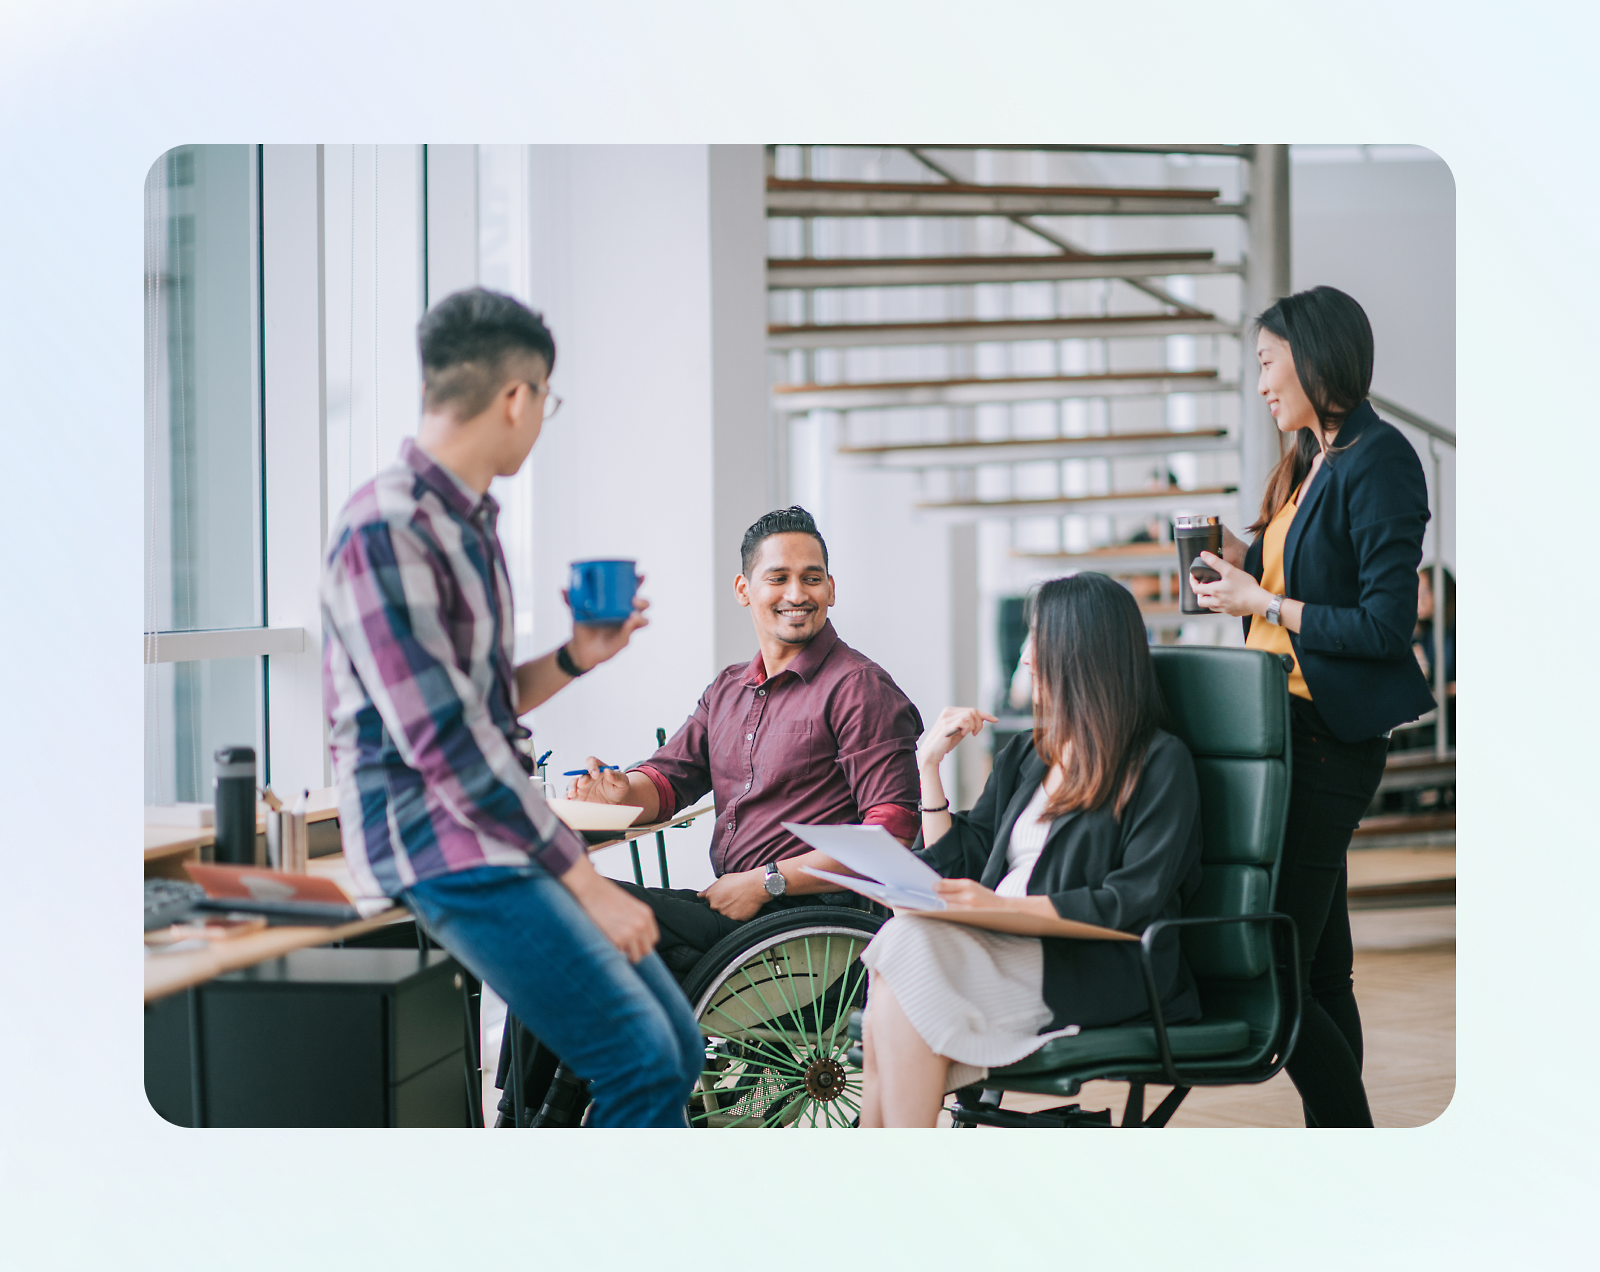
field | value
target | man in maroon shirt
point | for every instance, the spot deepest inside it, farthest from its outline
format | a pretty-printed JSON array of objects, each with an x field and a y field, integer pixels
[{"x": 809, "y": 731}]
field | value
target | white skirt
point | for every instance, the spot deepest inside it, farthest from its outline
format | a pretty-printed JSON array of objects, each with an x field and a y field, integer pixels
[{"x": 974, "y": 996}]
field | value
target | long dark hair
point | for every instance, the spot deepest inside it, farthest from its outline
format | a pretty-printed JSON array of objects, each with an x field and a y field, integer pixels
[
  {"x": 1330, "y": 340},
  {"x": 1099, "y": 704}
]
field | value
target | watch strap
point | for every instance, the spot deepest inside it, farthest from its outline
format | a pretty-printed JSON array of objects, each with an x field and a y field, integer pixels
[{"x": 564, "y": 661}]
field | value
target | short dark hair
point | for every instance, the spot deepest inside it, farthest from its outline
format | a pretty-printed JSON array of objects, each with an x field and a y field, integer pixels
[
  {"x": 465, "y": 342},
  {"x": 791, "y": 520}
]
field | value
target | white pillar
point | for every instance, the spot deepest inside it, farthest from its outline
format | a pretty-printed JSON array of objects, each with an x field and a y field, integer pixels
[
  {"x": 972, "y": 766},
  {"x": 640, "y": 258},
  {"x": 1266, "y": 279},
  {"x": 741, "y": 434},
  {"x": 296, "y": 472}
]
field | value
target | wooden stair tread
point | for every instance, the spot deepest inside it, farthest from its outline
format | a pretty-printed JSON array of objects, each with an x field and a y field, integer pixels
[
  {"x": 1039, "y": 258},
  {"x": 1080, "y": 377},
  {"x": 977, "y": 444},
  {"x": 790, "y": 185},
  {"x": 1406, "y": 823}
]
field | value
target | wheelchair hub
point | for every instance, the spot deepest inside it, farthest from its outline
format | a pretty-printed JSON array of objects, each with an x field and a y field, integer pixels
[{"x": 825, "y": 1079}]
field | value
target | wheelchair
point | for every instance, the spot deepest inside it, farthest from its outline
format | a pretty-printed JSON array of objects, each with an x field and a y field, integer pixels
[{"x": 772, "y": 1000}]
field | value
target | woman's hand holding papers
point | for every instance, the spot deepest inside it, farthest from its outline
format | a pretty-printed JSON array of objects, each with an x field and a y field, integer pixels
[{"x": 969, "y": 894}]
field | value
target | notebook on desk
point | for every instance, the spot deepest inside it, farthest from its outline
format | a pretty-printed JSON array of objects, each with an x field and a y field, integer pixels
[
  {"x": 283, "y": 898},
  {"x": 896, "y": 877}
]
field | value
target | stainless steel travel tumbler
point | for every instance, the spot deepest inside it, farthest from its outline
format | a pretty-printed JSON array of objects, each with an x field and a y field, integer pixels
[{"x": 1195, "y": 535}]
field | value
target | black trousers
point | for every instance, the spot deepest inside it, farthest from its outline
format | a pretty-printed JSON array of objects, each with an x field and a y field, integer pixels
[
  {"x": 689, "y": 928},
  {"x": 1333, "y": 783}
]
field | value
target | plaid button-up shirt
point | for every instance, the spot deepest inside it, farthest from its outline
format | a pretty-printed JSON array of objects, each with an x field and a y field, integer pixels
[{"x": 419, "y": 686}]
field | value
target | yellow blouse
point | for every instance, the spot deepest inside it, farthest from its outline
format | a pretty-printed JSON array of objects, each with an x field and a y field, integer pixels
[{"x": 1265, "y": 635}]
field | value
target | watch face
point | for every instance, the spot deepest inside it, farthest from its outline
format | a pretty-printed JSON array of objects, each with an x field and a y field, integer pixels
[{"x": 775, "y": 883}]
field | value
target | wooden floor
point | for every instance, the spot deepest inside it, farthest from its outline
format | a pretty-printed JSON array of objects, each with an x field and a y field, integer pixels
[{"x": 1405, "y": 977}]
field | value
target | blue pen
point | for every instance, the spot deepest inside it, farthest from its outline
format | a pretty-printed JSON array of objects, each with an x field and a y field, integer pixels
[
  {"x": 585, "y": 772},
  {"x": 539, "y": 763}
]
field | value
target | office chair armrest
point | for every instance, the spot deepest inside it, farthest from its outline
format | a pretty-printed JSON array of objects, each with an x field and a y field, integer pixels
[{"x": 1152, "y": 995}]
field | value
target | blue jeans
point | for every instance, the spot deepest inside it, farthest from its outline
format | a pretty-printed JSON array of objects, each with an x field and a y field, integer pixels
[{"x": 625, "y": 1028}]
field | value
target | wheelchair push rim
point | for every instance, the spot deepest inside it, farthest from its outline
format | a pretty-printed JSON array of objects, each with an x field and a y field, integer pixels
[{"x": 775, "y": 1014}]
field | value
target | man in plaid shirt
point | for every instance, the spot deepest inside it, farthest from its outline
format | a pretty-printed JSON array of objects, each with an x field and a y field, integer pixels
[{"x": 435, "y": 803}]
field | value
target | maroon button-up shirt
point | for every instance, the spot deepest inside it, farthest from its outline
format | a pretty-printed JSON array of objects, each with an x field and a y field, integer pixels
[{"x": 828, "y": 740}]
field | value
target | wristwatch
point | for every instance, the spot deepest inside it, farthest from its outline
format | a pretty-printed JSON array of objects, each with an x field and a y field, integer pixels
[
  {"x": 564, "y": 661},
  {"x": 1273, "y": 607},
  {"x": 775, "y": 883}
]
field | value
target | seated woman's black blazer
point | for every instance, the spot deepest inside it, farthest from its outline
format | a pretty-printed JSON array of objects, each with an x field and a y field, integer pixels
[
  {"x": 1351, "y": 556},
  {"x": 1097, "y": 870}
]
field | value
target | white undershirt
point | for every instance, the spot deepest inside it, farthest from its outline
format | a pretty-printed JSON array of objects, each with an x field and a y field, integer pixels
[{"x": 1027, "y": 842}]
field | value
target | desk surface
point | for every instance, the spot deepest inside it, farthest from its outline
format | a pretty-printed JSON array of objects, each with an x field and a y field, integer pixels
[
  {"x": 168, "y": 973},
  {"x": 174, "y": 841}
]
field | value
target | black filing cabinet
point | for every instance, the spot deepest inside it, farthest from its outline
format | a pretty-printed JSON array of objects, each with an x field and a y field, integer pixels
[{"x": 320, "y": 1037}]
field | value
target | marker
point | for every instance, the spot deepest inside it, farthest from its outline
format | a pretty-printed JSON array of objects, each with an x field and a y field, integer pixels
[
  {"x": 539, "y": 763},
  {"x": 585, "y": 772}
]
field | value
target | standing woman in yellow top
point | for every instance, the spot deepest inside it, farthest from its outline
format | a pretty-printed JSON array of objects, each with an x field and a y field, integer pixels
[{"x": 1330, "y": 579}]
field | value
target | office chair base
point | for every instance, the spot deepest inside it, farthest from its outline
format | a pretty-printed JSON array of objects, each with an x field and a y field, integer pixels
[{"x": 1062, "y": 1116}]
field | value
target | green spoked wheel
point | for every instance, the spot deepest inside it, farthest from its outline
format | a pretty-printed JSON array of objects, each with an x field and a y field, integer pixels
[{"x": 773, "y": 1001}]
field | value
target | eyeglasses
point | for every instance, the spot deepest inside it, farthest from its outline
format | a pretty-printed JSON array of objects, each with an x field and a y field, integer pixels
[{"x": 552, "y": 401}]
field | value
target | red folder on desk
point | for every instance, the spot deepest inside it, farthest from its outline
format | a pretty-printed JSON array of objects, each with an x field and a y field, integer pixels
[{"x": 245, "y": 883}]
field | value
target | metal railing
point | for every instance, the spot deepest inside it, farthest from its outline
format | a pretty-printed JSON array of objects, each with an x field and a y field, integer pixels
[{"x": 1437, "y": 435}]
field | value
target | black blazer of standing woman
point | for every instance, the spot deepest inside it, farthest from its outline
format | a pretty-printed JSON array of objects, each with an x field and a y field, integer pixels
[
  {"x": 1351, "y": 557},
  {"x": 1331, "y": 579}
]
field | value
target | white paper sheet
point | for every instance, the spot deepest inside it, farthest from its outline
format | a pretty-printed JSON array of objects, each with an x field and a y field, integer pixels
[
  {"x": 871, "y": 851},
  {"x": 894, "y": 898}
]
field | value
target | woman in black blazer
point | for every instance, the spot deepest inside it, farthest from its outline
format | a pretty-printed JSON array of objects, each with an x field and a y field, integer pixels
[
  {"x": 1096, "y": 817},
  {"x": 1330, "y": 579}
]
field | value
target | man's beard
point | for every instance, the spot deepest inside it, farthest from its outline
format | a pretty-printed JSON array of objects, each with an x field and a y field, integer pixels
[{"x": 787, "y": 637}]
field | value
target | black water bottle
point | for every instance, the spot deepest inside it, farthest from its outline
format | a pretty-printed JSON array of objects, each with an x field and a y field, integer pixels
[{"x": 236, "y": 806}]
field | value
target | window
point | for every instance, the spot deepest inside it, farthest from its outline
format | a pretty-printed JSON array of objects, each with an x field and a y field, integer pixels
[{"x": 204, "y": 567}]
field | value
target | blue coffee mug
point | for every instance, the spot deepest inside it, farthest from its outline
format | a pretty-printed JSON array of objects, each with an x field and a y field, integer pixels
[{"x": 601, "y": 592}]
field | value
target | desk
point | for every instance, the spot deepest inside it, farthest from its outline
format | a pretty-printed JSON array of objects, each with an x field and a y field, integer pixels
[
  {"x": 166, "y": 848},
  {"x": 168, "y": 973},
  {"x": 639, "y": 832}
]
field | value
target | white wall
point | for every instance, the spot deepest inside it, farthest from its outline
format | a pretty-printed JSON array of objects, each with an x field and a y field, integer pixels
[
  {"x": 1379, "y": 223},
  {"x": 620, "y": 260}
]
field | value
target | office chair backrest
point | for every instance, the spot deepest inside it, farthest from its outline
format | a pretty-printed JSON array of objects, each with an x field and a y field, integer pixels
[{"x": 1231, "y": 708}]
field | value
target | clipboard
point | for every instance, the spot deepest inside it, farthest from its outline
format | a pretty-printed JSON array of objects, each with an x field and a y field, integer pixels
[
  {"x": 890, "y": 874},
  {"x": 908, "y": 905}
]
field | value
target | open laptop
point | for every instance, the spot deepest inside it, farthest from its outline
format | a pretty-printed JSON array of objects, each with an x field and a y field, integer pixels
[{"x": 283, "y": 898}]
